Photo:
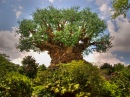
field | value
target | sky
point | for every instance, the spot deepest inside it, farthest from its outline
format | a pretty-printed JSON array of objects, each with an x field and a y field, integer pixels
[{"x": 12, "y": 11}]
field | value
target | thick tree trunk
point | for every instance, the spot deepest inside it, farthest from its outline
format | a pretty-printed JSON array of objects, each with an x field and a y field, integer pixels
[{"x": 64, "y": 55}]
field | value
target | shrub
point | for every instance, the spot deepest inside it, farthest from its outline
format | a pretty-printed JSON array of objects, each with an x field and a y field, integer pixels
[{"x": 15, "y": 85}]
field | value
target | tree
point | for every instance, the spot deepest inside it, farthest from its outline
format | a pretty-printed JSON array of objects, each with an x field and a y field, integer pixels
[
  {"x": 118, "y": 67},
  {"x": 29, "y": 66},
  {"x": 120, "y": 7},
  {"x": 108, "y": 68},
  {"x": 64, "y": 33},
  {"x": 128, "y": 66},
  {"x": 41, "y": 68}
]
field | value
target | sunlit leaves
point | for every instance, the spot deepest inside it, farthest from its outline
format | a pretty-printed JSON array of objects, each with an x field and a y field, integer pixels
[
  {"x": 26, "y": 26},
  {"x": 76, "y": 79},
  {"x": 61, "y": 26},
  {"x": 15, "y": 85}
]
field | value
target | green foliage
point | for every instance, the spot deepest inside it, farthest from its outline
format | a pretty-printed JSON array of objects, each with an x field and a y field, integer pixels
[
  {"x": 110, "y": 90},
  {"x": 122, "y": 80},
  {"x": 29, "y": 67},
  {"x": 118, "y": 67},
  {"x": 120, "y": 7},
  {"x": 41, "y": 68},
  {"x": 63, "y": 28},
  {"x": 75, "y": 79},
  {"x": 128, "y": 66},
  {"x": 41, "y": 75},
  {"x": 15, "y": 85},
  {"x": 6, "y": 66},
  {"x": 108, "y": 69}
]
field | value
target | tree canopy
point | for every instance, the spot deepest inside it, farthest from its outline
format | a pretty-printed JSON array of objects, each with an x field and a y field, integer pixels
[
  {"x": 120, "y": 7},
  {"x": 29, "y": 66},
  {"x": 64, "y": 33}
]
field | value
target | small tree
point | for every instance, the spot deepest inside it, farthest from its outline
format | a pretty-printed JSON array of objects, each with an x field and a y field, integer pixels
[
  {"x": 108, "y": 68},
  {"x": 30, "y": 66},
  {"x": 64, "y": 33},
  {"x": 41, "y": 68}
]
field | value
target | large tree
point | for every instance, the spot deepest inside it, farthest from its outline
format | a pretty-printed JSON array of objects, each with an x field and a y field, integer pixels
[
  {"x": 64, "y": 33},
  {"x": 120, "y": 7}
]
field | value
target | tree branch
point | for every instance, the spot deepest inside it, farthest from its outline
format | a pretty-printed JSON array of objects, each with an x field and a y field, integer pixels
[{"x": 95, "y": 43}]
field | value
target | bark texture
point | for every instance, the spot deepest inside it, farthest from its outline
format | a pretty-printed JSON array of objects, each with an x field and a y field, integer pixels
[{"x": 64, "y": 55}]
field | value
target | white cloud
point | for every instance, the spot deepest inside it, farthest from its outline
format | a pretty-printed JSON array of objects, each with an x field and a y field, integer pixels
[
  {"x": 105, "y": 10},
  {"x": 100, "y": 2},
  {"x": 18, "y": 13},
  {"x": 7, "y": 43},
  {"x": 41, "y": 58},
  {"x": 7, "y": 46},
  {"x": 17, "y": 10},
  {"x": 120, "y": 31},
  {"x": 100, "y": 58},
  {"x": 51, "y": 1}
]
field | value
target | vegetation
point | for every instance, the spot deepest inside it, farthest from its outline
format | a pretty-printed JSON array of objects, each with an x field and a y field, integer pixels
[
  {"x": 13, "y": 84},
  {"x": 64, "y": 33},
  {"x": 120, "y": 7},
  {"x": 29, "y": 67},
  {"x": 74, "y": 79}
]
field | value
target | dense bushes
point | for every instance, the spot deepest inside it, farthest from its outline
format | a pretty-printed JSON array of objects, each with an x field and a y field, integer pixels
[
  {"x": 75, "y": 79},
  {"x": 15, "y": 85}
]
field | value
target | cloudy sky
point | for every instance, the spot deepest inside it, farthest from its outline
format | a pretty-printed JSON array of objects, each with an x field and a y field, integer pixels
[{"x": 12, "y": 11}]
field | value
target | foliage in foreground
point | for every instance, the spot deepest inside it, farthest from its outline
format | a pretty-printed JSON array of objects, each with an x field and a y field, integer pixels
[
  {"x": 75, "y": 79},
  {"x": 14, "y": 84}
]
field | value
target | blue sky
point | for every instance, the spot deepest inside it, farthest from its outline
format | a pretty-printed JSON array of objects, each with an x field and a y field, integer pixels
[{"x": 12, "y": 11}]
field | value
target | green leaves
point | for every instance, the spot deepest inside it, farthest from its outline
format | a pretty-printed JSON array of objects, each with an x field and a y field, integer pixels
[
  {"x": 15, "y": 85},
  {"x": 61, "y": 26},
  {"x": 76, "y": 79},
  {"x": 120, "y": 7},
  {"x": 29, "y": 66},
  {"x": 69, "y": 39},
  {"x": 26, "y": 27}
]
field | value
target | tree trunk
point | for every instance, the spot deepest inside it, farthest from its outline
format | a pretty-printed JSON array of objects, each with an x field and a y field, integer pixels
[{"x": 64, "y": 55}]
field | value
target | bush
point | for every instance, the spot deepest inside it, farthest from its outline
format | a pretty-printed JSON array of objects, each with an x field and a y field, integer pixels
[
  {"x": 15, "y": 85},
  {"x": 75, "y": 79}
]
